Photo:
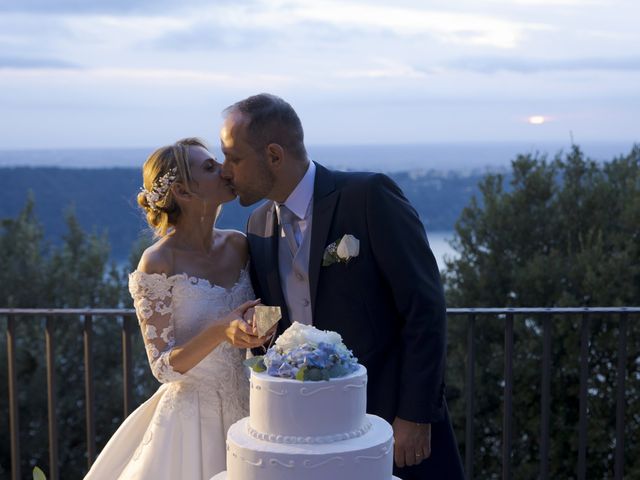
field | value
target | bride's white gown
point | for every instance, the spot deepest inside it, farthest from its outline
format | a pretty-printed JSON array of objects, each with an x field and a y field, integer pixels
[{"x": 180, "y": 432}]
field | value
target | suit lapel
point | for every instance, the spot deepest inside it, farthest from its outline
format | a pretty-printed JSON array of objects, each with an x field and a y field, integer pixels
[{"x": 325, "y": 197}]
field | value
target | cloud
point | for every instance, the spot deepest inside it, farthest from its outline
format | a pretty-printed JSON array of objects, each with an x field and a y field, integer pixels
[
  {"x": 551, "y": 3},
  {"x": 205, "y": 36},
  {"x": 137, "y": 77},
  {"x": 386, "y": 70},
  {"x": 352, "y": 19},
  {"x": 100, "y": 6},
  {"x": 447, "y": 26},
  {"x": 490, "y": 65},
  {"x": 35, "y": 63},
  {"x": 220, "y": 33}
]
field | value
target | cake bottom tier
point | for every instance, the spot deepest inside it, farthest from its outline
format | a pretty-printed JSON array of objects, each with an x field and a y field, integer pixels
[{"x": 367, "y": 457}]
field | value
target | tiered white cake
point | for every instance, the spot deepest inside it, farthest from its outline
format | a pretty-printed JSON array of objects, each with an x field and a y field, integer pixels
[{"x": 311, "y": 430}]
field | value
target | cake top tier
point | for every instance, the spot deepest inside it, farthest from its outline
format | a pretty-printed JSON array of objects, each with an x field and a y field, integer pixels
[{"x": 305, "y": 353}]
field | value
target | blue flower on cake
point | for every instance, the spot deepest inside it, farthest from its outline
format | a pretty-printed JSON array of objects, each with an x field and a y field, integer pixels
[{"x": 305, "y": 353}]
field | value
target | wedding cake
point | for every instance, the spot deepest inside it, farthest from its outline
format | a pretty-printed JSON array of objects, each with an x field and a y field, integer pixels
[{"x": 308, "y": 416}]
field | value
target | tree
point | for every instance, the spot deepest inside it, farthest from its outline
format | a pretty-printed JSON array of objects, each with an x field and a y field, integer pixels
[
  {"x": 77, "y": 274},
  {"x": 564, "y": 232}
]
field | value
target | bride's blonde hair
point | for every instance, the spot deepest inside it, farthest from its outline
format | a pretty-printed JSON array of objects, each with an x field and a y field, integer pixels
[{"x": 164, "y": 167}]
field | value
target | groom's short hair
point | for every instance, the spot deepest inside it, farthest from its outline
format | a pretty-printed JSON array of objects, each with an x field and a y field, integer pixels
[{"x": 270, "y": 119}]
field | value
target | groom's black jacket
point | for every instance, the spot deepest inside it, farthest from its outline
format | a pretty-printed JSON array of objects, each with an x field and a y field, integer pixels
[{"x": 387, "y": 303}]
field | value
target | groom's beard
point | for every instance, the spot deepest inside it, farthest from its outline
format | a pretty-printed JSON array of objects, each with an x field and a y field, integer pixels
[{"x": 258, "y": 187}]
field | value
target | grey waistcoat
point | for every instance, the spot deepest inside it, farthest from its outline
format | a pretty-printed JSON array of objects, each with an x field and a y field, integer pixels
[{"x": 294, "y": 277}]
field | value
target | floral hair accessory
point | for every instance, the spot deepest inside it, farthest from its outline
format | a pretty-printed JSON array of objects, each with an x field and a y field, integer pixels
[{"x": 159, "y": 188}]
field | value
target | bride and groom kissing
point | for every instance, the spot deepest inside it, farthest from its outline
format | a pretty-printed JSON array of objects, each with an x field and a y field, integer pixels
[{"x": 195, "y": 288}]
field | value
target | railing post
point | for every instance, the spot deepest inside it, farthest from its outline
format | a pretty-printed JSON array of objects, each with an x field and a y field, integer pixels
[
  {"x": 620, "y": 401},
  {"x": 508, "y": 398},
  {"x": 51, "y": 399},
  {"x": 584, "y": 378},
  {"x": 470, "y": 392},
  {"x": 14, "y": 424},
  {"x": 127, "y": 364},
  {"x": 88, "y": 389},
  {"x": 545, "y": 401}
]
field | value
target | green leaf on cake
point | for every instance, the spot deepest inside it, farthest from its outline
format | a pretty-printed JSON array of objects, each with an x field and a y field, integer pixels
[
  {"x": 38, "y": 474},
  {"x": 300, "y": 375},
  {"x": 256, "y": 363},
  {"x": 316, "y": 374}
]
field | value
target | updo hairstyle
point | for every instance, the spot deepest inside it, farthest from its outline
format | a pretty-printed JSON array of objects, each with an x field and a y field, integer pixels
[{"x": 164, "y": 213}]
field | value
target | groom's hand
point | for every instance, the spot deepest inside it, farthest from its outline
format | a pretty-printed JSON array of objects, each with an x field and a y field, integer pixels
[{"x": 412, "y": 442}]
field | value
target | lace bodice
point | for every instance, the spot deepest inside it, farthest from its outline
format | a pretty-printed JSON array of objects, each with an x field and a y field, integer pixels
[{"x": 173, "y": 309}]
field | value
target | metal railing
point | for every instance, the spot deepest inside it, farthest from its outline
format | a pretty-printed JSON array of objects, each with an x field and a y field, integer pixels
[
  {"x": 129, "y": 328},
  {"x": 507, "y": 423}
]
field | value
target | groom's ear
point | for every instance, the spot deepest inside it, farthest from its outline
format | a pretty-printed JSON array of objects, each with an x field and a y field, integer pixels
[{"x": 275, "y": 154}]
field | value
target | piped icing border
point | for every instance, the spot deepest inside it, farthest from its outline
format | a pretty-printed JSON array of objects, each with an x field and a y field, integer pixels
[
  {"x": 307, "y": 389},
  {"x": 313, "y": 440},
  {"x": 339, "y": 461}
]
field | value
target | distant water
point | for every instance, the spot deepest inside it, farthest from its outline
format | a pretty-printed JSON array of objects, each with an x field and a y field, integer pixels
[
  {"x": 439, "y": 243},
  {"x": 461, "y": 157}
]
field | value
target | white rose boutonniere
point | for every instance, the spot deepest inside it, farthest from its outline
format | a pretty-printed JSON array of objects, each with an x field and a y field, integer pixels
[{"x": 341, "y": 250}]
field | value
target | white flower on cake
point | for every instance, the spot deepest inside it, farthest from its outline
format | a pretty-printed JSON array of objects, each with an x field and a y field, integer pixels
[
  {"x": 305, "y": 353},
  {"x": 298, "y": 334}
]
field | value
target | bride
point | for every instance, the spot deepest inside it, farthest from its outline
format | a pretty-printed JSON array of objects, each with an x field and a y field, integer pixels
[{"x": 192, "y": 293}]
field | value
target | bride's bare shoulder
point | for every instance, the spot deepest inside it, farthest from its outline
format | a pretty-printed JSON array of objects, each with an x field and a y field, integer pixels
[{"x": 158, "y": 258}]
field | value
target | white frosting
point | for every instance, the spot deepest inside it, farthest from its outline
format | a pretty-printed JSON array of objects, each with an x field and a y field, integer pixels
[
  {"x": 309, "y": 430},
  {"x": 369, "y": 456},
  {"x": 291, "y": 411}
]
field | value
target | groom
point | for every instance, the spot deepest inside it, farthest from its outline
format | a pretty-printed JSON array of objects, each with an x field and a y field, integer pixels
[{"x": 386, "y": 299}]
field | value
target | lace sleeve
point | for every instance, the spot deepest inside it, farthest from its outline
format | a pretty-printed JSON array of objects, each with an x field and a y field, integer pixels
[{"x": 151, "y": 295}]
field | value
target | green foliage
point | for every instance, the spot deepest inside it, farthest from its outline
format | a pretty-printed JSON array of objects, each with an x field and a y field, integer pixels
[
  {"x": 564, "y": 232},
  {"x": 73, "y": 274},
  {"x": 256, "y": 363}
]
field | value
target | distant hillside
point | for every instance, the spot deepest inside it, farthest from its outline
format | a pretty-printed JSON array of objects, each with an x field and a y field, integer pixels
[{"x": 104, "y": 200}]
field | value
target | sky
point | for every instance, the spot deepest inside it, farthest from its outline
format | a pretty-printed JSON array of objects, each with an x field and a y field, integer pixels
[{"x": 140, "y": 73}]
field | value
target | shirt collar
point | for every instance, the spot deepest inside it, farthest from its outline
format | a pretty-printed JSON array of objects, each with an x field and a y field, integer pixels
[{"x": 299, "y": 200}]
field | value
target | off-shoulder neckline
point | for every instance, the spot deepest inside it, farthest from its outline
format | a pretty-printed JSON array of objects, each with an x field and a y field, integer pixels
[{"x": 195, "y": 280}]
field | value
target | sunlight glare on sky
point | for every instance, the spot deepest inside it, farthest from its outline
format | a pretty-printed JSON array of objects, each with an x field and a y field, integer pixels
[{"x": 537, "y": 119}]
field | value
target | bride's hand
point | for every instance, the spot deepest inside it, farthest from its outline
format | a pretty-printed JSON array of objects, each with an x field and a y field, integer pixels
[
  {"x": 238, "y": 332},
  {"x": 249, "y": 318}
]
